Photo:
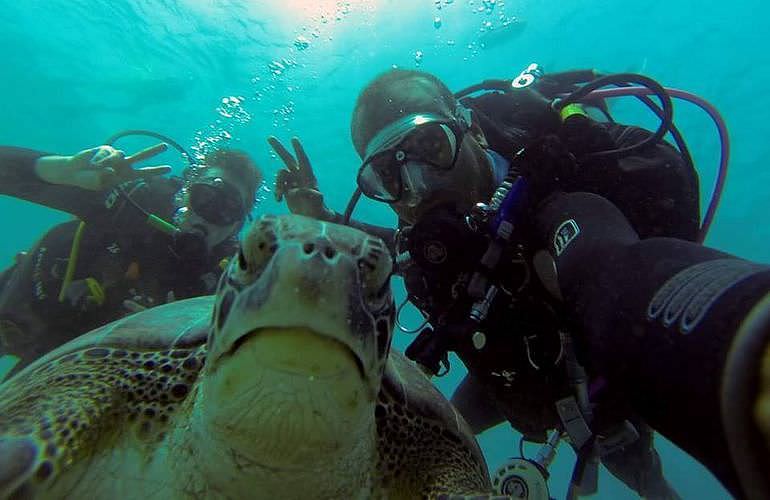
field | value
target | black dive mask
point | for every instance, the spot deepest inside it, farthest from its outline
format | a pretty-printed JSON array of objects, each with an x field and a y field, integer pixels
[
  {"x": 216, "y": 201},
  {"x": 426, "y": 139}
]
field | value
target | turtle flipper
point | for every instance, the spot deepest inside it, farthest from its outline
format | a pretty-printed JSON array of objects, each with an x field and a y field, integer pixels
[
  {"x": 426, "y": 447},
  {"x": 55, "y": 414},
  {"x": 17, "y": 463},
  {"x": 48, "y": 416}
]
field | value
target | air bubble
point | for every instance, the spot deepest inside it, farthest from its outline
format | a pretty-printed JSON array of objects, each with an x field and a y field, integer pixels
[
  {"x": 301, "y": 43},
  {"x": 276, "y": 67}
]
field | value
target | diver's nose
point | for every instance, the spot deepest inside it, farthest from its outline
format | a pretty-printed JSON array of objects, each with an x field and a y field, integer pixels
[{"x": 320, "y": 246}]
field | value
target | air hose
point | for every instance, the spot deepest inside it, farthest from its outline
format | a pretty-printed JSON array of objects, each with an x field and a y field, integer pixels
[{"x": 719, "y": 122}]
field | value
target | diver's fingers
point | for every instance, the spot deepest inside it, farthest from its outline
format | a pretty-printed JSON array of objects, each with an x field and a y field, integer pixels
[
  {"x": 303, "y": 162},
  {"x": 105, "y": 178},
  {"x": 98, "y": 154},
  {"x": 152, "y": 171},
  {"x": 147, "y": 153},
  {"x": 108, "y": 157},
  {"x": 281, "y": 151}
]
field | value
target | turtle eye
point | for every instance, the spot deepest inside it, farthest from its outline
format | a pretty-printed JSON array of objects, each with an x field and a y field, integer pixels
[{"x": 243, "y": 264}]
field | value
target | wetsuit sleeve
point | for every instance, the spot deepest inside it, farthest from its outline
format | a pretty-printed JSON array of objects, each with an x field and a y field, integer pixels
[
  {"x": 657, "y": 317},
  {"x": 18, "y": 179}
]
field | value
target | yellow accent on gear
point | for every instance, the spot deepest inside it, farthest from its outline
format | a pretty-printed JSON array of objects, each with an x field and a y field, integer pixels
[
  {"x": 72, "y": 262},
  {"x": 97, "y": 294},
  {"x": 570, "y": 110},
  {"x": 223, "y": 263},
  {"x": 97, "y": 291}
]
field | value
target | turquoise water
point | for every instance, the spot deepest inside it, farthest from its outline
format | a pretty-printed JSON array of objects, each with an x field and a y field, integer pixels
[{"x": 236, "y": 71}]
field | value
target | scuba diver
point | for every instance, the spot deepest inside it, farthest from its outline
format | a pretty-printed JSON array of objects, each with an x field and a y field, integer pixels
[
  {"x": 461, "y": 171},
  {"x": 142, "y": 239}
]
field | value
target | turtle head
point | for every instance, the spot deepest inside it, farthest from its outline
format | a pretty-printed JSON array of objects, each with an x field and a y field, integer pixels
[
  {"x": 300, "y": 332},
  {"x": 307, "y": 278}
]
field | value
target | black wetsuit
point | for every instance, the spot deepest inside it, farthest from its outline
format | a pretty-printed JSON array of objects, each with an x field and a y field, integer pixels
[
  {"x": 680, "y": 327},
  {"x": 127, "y": 259},
  {"x": 655, "y": 190},
  {"x": 519, "y": 375}
]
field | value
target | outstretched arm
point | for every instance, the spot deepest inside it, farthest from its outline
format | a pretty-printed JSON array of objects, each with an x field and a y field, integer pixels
[
  {"x": 72, "y": 184},
  {"x": 666, "y": 319}
]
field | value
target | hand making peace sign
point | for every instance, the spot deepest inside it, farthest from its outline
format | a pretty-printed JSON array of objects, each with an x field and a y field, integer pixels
[{"x": 99, "y": 168}]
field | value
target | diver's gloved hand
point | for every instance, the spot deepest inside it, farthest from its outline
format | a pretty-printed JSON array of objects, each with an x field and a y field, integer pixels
[
  {"x": 98, "y": 168},
  {"x": 297, "y": 182}
]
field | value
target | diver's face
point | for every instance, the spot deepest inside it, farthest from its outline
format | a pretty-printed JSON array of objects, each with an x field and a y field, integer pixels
[
  {"x": 420, "y": 160},
  {"x": 464, "y": 185},
  {"x": 215, "y": 207}
]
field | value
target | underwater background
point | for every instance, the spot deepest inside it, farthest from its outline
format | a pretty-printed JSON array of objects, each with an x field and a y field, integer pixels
[{"x": 214, "y": 72}]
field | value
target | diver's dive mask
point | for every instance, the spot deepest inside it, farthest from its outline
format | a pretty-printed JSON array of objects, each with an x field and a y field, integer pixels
[
  {"x": 421, "y": 140},
  {"x": 216, "y": 201}
]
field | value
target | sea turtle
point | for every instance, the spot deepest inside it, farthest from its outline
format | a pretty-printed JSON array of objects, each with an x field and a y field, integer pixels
[{"x": 282, "y": 385}]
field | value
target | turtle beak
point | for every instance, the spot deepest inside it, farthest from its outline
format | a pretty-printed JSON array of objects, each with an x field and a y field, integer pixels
[{"x": 290, "y": 335}]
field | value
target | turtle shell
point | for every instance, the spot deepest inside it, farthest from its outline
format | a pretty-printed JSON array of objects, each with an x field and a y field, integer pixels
[
  {"x": 414, "y": 418},
  {"x": 177, "y": 325}
]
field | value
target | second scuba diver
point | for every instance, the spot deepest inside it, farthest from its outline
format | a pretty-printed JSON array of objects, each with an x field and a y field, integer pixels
[{"x": 142, "y": 239}]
